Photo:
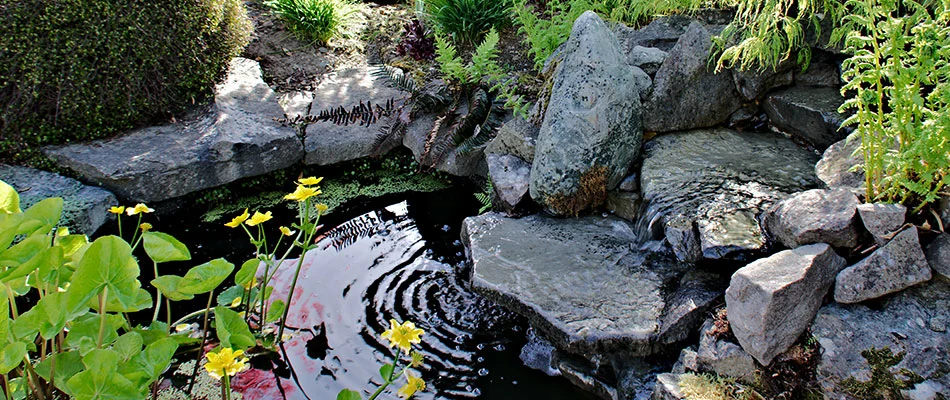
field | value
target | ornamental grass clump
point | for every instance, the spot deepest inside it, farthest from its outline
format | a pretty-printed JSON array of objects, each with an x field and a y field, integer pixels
[
  {"x": 85, "y": 69},
  {"x": 467, "y": 21},
  {"x": 313, "y": 21}
]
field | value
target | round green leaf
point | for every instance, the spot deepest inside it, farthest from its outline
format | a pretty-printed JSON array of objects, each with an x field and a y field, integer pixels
[
  {"x": 162, "y": 247},
  {"x": 9, "y": 199}
]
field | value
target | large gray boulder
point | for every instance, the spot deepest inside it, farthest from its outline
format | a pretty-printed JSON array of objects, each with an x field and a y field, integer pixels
[
  {"x": 938, "y": 255},
  {"x": 808, "y": 113},
  {"x": 591, "y": 130},
  {"x": 815, "y": 216},
  {"x": 706, "y": 188},
  {"x": 913, "y": 321},
  {"x": 839, "y": 166},
  {"x": 85, "y": 208},
  {"x": 582, "y": 285},
  {"x": 753, "y": 84},
  {"x": 771, "y": 301},
  {"x": 327, "y": 143},
  {"x": 662, "y": 33},
  {"x": 687, "y": 92},
  {"x": 898, "y": 265},
  {"x": 236, "y": 137}
]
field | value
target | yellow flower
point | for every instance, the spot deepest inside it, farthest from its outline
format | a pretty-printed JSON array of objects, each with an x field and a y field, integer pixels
[
  {"x": 145, "y": 227},
  {"x": 286, "y": 231},
  {"x": 302, "y": 193},
  {"x": 413, "y": 385},
  {"x": 402, "y": 335},
  {"x": 225, "y": 361},
  {"x": 310, "y": 181},
  {"x": 416, "y": 359},
  {"x": 259, "y": 218},
  {"x": 238, "y": 220},
  {"x": 139, "y": 209},
  {"x": 117, "y": 209},
  {"x": 321, "y": 208}
]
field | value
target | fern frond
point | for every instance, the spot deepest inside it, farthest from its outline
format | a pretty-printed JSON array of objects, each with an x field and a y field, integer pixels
[
  {"x": 396, "y": 78},
  {"x": 365, "y": 114}
]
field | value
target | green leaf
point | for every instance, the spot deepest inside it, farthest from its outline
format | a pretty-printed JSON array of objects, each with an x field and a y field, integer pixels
[
  {"x": 205, "y": 277},
  {"x": 232, "y": 331},
  {"x": 71, "y": 243},
  {"x": 169, "y": 285},
  {"x": 155, "y": 359},
  {"x": 275, "y": 311},
  {"x": 347, "y": 394},
  {"x": 100, "y": 380},
  {"x": 9, "y": 199},
  {"x": 84, "y": 332},
  {"x": 42, "y": 216},
  {"x": 23, "y": 258},
  {"x": 9, "y": 224},
  {"x": 108, "y": 263},
  {"x": 245, "y": 275},
  {"x": 128, "y": 345},
  {"x": 227, "y": 297},
  {"x": 67, "y": 364},
  {"x": 162, "y": 247},
  {"x": 12, "y": 356},
  {"x": 48, "y": 317},
  {"x": 386, "y": 371}
]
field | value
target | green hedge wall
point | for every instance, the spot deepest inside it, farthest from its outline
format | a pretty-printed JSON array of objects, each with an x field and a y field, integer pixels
[{"x": 84, "y": 69}]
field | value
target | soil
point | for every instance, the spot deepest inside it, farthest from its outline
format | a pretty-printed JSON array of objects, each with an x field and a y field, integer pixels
[{"x": 371, "y": 36}]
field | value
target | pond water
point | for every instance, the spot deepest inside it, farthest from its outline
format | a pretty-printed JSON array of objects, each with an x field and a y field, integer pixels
[{"x": 398, "y": 257}]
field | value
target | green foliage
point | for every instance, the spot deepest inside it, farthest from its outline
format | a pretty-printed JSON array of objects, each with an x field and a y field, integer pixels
[
  {"x": 883, "y": 384},
  {"x": 313, "y": 21},
  {"x": 899, "y": 82},
  {"x": 84, "y": 69},
  {"x": 765, "y": 33},
  {"x": 485, "y": 197},
  {"x": 546, "y": 29},
  {"x": 467, "y": 20}
]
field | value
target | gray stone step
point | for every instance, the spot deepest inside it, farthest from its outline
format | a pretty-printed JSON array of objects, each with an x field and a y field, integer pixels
[
  {"x": 85, "y": 208},
  {"x": 583, "y": 285},
  {"x": 235, "y": 138}
]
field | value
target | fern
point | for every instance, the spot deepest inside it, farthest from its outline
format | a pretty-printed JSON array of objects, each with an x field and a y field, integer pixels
[
  {"x": 396, "y": 78},
  {"x": 485, "y": 197},
  {"x": 483, "y": 61},
  {"x": 899, "y": 75},
  {"x": 449, "y": 62},
  {"x": 363, "y": 113}
]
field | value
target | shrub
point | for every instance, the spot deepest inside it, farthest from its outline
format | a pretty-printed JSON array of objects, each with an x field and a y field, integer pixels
[
  {"x": 84, "y": 69},
  {"x": 467, "y": 20},
  {"x": 313, "y": 21},
  {"x": 417, "y": 43}
]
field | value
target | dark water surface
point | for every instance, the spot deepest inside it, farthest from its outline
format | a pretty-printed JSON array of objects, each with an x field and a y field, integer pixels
[{"x": 392, "y": 258}]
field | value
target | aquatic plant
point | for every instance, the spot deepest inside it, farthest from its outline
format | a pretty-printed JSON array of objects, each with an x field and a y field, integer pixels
[
  {"x": 402, "y": 335},
  {"x": 224, "y": 364}
]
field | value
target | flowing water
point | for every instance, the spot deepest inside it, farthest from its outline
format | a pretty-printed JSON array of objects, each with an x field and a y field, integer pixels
[{"x": 396, "y": 259}]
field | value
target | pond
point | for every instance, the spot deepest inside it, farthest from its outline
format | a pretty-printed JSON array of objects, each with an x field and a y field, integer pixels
[{"x": 397, "y": 257}]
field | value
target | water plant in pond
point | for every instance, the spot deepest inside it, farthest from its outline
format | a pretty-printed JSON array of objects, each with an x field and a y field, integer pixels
[{"x": 402, "y": 335}]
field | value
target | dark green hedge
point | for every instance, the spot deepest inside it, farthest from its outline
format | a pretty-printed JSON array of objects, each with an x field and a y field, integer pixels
[{"x": 84, "y": 69}]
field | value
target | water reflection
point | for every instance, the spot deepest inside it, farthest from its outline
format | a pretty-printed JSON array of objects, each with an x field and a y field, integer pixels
[{"x": 375, "y": 267}]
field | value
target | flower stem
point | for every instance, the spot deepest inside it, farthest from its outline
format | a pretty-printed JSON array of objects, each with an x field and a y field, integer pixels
[
  {"x": 158, "y": 294},
  {"x": 389, "y": 380},
  {"x": 226, "y": 389},
  {"x": 102, "y": 315}
]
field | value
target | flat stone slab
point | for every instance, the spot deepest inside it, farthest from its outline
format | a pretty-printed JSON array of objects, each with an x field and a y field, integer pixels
[
  {"x": 914, "y": 321},
  {"x": 713, "y": 185},
  {"x": 581, "y": 283},
  {"x": 235, "y": 138},
  {"x": 809, "y": 113},
  {"x": 85, "y": 208},
  {"x": 327, "y": 143}
]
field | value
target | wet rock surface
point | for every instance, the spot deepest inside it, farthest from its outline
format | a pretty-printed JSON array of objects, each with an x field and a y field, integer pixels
[
  {"x": 771, "y": 301},
  {"x": 581, "y": 284},
  {"x": 85, "y": 208},
  {"x": 720, "y": 181},
  {"x": 327, "y": 143},
  {"x": 687, "y": 93},
  {"x": 235, "y": 138},
  {"x": 591, "y": 130},
  {"x": 913, "y": 321},
  {"x": 815, "y": 216},
  {"x": 896, "y": 266},
  {"x": 809, "y": 113}
]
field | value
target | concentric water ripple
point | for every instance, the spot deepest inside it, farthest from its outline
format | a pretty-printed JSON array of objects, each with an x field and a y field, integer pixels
[{"x": 377, "y": 267}]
